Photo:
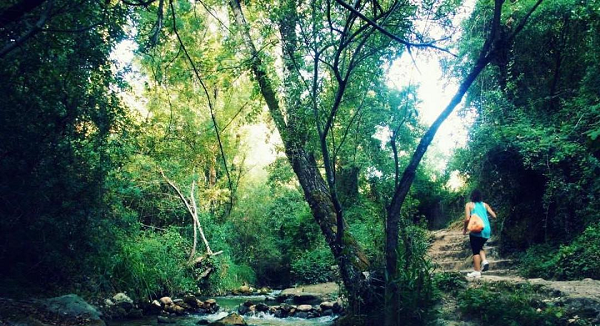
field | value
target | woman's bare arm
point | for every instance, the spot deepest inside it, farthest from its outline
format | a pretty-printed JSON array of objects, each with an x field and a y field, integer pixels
[
  {"x": 490, "y": 210},
  {"x": 467, "y": 217}
]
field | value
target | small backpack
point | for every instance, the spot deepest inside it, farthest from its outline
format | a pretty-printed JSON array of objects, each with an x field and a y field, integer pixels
[{"x": 475, "y": 224}]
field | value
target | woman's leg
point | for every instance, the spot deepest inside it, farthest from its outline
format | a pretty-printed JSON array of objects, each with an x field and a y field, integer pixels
[
  {"x": 477, "y": 248},
  {"x": 477, "y": 263}
]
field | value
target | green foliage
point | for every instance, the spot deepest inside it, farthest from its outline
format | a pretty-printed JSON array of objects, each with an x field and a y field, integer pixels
[
  {"x": 152, "y": 264},
  {"x": 228, "y": 276},
  {"x": 62, "y": 122},
  {"x": 314, "y": 266},
  {"x": 531, "y": 149},
  {"x": 577, "y": 260},
  {"x": 414, "y": 279},
  {"x": 449, "y": 282},
  {"x": 510, "y": 304}
]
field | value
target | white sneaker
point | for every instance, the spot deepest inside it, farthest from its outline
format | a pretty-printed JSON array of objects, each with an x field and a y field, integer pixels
[
  {"x": 485, "y": 265},
  {"x": 474, "y": 274}
]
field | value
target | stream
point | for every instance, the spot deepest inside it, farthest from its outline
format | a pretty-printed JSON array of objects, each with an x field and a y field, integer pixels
[{"x": 230, "y": 304}]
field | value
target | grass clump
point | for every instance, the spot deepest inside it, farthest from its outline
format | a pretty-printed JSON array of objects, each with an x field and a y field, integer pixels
[{"x": 449, "y": 282}]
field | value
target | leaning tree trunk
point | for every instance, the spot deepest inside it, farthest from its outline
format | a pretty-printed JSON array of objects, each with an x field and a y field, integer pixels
[{"x": 348, "y": 254}]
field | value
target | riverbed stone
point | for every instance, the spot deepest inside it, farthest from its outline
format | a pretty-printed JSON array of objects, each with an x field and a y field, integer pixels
[
  {"x": 244, "y": 289},
  {"x": 262, "y": 307},
  {"x": 191, "y": 300},
  {"x": 233, "y": 319},
  {"x": 121, "y": 297},
  {"x": 301, "y": 314},
  {"x": 243, "y": 309},
  {"x": 304, "y": 308},
  {"x": 73, "y": 306},
  {"x": 165, "y": 301},
  {"x": 326, "y": 305}
]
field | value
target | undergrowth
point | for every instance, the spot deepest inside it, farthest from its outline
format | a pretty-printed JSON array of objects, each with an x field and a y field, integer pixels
[
  {"x": 577, "y": 260},
  {"x": 507, "y": 304}
]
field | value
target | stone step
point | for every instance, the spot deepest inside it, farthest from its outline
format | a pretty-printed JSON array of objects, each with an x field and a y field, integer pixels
[
  {"x": 457, "y": 253},
  {"x": 491, "y": 252},
  {"x": 454, "y": 246},
  {"x": 467, "y": 263},
  {"x": 492, "y": 272},
  {"x": 450, "y": 237}
]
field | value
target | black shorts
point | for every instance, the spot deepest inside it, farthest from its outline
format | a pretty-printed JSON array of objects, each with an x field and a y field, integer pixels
[{"x": 476, "y": 244}]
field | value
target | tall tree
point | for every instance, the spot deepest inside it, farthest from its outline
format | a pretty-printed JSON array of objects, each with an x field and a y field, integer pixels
[
  {"x": 352, "y": 39},
  {"x": 61, "y": 118}
]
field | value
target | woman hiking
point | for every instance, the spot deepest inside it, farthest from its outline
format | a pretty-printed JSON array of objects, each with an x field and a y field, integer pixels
[{"x": 477, "y": 239}]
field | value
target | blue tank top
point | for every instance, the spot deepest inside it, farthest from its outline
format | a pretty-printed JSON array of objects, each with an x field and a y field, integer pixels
[{"x": 480, "y": 210}]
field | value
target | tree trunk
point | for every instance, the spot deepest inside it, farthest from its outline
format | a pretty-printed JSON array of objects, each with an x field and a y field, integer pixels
[{"x": 348, "y": 254}]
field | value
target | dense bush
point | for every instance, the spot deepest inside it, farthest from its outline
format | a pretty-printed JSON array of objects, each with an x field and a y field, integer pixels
[
  {"x": 577, "y": 260},
  {"x": 314, "y": 266},
  {"x": 152, "y": 264},
  {"x": 227, "y": 276}
]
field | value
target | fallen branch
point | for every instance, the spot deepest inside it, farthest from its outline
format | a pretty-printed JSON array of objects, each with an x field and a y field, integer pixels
[{"x": 193, "y": 210}]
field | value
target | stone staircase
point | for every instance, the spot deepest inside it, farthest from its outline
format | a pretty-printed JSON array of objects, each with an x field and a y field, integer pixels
[{"x": 451, "y": 251}]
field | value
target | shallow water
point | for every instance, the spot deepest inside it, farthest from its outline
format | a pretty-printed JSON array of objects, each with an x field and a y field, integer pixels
[{"x": 229, "y": 304}]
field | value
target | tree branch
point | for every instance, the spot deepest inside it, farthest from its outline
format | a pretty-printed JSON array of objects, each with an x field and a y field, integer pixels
[
  {"x": 31, "y": 32},
  {"x": 210, "y": 104},
  {"x": 390, "y": 35}
]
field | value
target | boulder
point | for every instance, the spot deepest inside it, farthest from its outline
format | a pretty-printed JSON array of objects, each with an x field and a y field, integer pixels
[
  {"x": 210, "y": 306},
  {"x": 304, "y": 308},
  {"x": 279, "y": 313},
  {"x": 337, "y": 306},
  {"x": 191, "y": 300},
  {"x": 178, "y": 309},
  {"x": 73, "y": 306},
  {"x": 165, "y": 301},
  {"x": 184, "y": 305},
  {"x": 326, "y": 305},
  {"x": 121, "y": 297},
  {"x": 244, "y": 289},
  {"x": 232, "y": 319},
  {"x": 262, "y": 307},
  {"x": 301, "y": 314},
  {"x": 243, "y": 309},
  {"x": 286, "y": 307},
  {"x": 123, "y": 301}
]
